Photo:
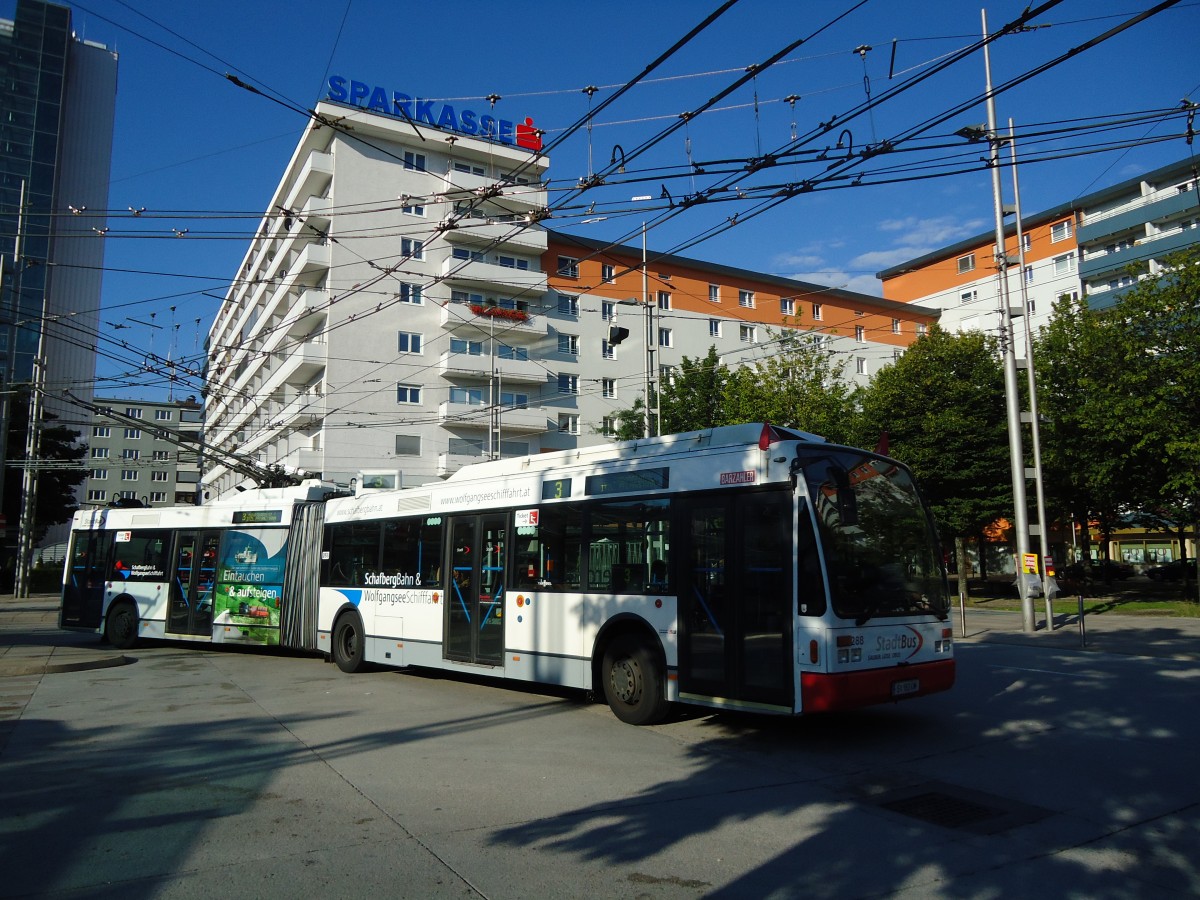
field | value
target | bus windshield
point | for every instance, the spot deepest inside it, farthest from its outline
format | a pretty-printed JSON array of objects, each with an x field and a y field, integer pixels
[{"x": 881, "y": 552}]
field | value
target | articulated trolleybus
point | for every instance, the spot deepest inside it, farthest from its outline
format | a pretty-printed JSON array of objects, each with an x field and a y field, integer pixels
[
  {"x": 241, "y": 571},
  {"x": 745, "y": 567}
]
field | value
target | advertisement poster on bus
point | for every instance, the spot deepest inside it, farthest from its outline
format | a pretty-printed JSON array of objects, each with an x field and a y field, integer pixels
[{"x": 249, "y": 589}]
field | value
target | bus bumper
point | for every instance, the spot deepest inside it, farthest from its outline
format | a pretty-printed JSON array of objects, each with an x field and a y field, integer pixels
[{"x": 825, "y": 692}]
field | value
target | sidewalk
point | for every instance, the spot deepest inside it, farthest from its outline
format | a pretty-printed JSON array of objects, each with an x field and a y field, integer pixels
[
  {"x": 1141, "y": 635},
  {"x": 31, "y": 643}
]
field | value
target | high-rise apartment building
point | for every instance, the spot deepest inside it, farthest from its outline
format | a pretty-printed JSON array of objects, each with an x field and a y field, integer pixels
[
  {"x": 57, "y": 106},
  {"x": 402, "y": 313}
]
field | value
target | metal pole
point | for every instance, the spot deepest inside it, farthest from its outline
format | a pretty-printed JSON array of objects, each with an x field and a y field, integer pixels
[
  {"x": 1031, "y": 377},
  {"x": 962, "y": 614},
  {"x": 1082, "y": 628},
  {"x": 1015, "y": 448},
  {"x": 651, "y": 386}
]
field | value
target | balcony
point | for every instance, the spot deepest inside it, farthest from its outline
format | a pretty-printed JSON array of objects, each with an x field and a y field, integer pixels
[
  {"x": 1148, "y": 248},
  {"x": 314, "y": 179},
  {"x": 464, "y": 415},
  {"x": 1135, "y": 214},
  {"x": 316, "y": 212},
  {"x": 512, "y": 371},
  {"x": 461, "y": 319},
  {"x": 509, "y": 236},
  {"x": 489, "y": 276},
  {"x": 468, "y": 186},
  {"x": 300, "y": 364}
]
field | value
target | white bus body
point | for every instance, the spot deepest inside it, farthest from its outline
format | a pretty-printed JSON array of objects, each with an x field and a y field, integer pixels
[{"x": 743, "y": 567}]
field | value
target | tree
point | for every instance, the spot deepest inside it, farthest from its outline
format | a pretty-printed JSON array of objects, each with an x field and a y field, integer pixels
[
  {"x": 1122, "y": 394},
  {"x": 941, "y": 406},
  {"x": 56, "y": 500}
]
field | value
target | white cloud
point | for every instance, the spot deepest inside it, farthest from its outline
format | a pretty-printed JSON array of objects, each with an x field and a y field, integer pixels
[{"x": 928, "y": 234}]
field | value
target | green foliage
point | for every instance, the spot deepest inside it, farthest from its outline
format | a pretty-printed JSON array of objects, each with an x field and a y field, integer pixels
[
  {"x": 942, "y": 407},
  {"x": 56, "y": 501},
  {"x": 797, "y": 387},
  {"x": 1120, "y": 388}
]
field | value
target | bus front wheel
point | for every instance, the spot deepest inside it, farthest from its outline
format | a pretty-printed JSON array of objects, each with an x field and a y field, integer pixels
[
  {"x": 349, "y": 644},
  {"x": 634, "y": 681},
  {"x": 121, "y": 625}
]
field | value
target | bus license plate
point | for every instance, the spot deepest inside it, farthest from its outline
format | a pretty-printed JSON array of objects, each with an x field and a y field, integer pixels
[{"x": 908, "y": 686}]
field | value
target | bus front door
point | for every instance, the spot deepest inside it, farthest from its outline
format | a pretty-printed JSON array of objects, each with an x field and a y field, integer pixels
[
  {"x": 475, "y": 605},
  {"x": 194, "y": 575},
  {"x": 735, "y": 598}
]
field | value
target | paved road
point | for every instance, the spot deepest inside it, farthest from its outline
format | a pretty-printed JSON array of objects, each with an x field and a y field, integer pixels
[{"x": 1050, "y": 770}]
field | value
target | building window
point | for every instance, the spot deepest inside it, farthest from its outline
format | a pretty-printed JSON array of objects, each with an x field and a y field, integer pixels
[
  {"x": 408, "y": 342},
  {"x": 158, "y": 496},
  {"x": 414, "y": 209},
  {"x": 410, "y": 293},
  {"x": 408, "y": 393},
  {"x": 968, "y": 296},
  {"x": 746, "y": 299},
  {"x": 787, "y": 306},
  {"x": 128, "y": 453},
  {"x": 664, "y": 300},
  {"x": 568, "y": 267},
  {"x": 966, "y": 263},
  {"x": 817, "y": 312},
  {"x": 160, "y": 476},
  {"x": 607, "y": 310},
  {"x": 413, "y": 249},
  {"x": 1065, "y": 264},
  {"x": 100, "y": 474},
  {"x": 714, "y": 328},
  {"x": 1026, "y": 241},
  {"x": 414, "y": 161},
  {"x": 133, "y": 434},
  {"x": 895, "y": 326},
  {"x": 860, "y": 333},
  {"x": 860, "y": 365},
  {"x": 133, "y": 412},
  {"x": 469, "y": 396},
  {"x": 1060, "y": 231},
  {"x": 408, "y": 445},
  {"x": 608, "y": 388},
  {"x": 162, "y": 456},
  {"x": 512, "y": 262},
  {"x": 471, "y": 348},
  {"x": 714, "y": 293},
  {"x": 163, "y": 415},
  {"x": 608, "y": 427},
  {"x": 568, "y": 384},
  {"x": 129, "y": 475},
  {"x": 607, "y": 273},
  {"x": 568, "y": 423},
  {"x": 99, "y": 453},
  {"x": 607, "y": 351},
  {"x": 520, "y": 354},
  {"x": 922, "y": 328},
  {"x": 96, "y": 496},
  {"x": 101, "y": 431},
  {"x": 664, "y": 337},
  {"x": 568, "y": 343},
  {"x": 746, "y": 333},
  {"x": 568, "y": 305},
  {"x": 514, "y": 401},
  {"x": 464, "y": 254}
]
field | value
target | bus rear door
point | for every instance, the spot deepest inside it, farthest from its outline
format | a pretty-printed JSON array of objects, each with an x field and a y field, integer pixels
[{"x": 190, "y": 606}]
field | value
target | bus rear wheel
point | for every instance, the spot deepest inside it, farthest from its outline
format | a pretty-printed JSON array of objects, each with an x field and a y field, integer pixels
[
  {"x": 634, "y": 681},
  {"x": 349, "y": 650},
  {"x": 121, "y": 625}
]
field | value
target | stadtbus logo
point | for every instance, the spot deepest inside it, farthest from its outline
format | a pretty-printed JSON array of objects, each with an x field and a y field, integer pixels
[{"x": 435, "y": 114}]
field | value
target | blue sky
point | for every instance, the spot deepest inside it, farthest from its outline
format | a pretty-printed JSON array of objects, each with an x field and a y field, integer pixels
[{"x": 193, "y": 146}]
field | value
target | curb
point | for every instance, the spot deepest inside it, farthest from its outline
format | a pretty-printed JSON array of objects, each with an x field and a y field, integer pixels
[{"x": 15, "y": 669}]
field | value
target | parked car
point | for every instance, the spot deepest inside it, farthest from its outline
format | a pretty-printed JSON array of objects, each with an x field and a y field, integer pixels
[
  {"x": 1173, "y": 571},
  {"x": 1098, "y": 570}
]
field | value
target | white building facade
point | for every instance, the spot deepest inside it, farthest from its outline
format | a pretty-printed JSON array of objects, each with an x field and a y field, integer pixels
[{"x": 401, "y": 313}]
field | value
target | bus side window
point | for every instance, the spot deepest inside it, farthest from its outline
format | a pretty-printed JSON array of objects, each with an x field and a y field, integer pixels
[{"x": 810, "y": 586}]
